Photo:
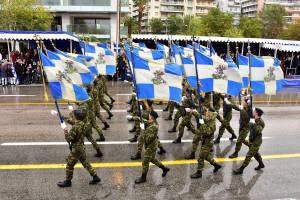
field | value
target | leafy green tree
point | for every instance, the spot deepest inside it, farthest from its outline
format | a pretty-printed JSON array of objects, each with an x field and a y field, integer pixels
[
  {"x": 24, "y": 15},
  {"x": 251, "y": 27},
  {"x": 273, "y": 21},
  {"x": 141, "y": 5},
  {"x": 292, "y": 32},
  {"x": 216, "y": 22},
  {"x": 131, "y": 24},
  {"x": 192, "y": 26},
  {"x": 156, "y": 26},
  {"x": 233, "y": 32},
  {"x": 174, "y": 24}
]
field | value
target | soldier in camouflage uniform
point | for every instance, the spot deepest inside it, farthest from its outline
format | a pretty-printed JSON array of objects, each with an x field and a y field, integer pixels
[
  {"x": 171, "y": 106},
  {"x": 227, "y": 115},
  {"x": 245, "y": 114},
  {"x": 207, "y": 129},
  {"x": 100, "y": 89},
  {"x": 76, "y": 139},
  {"x": 255, "y": 140},
  {"x": 150, "y": 135},
  {"x": 217, "y": 97},
  {"x": 103, "y": 78}
]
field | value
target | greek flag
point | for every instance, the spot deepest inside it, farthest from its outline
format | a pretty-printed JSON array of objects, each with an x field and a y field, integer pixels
[
  {"x": 266, "y": 75},
  {"x": 244, "y": 69},
  {"x": 76, "y": 71},
  {"x": 104, "y": 59},
  {"x": 175, "y": 54},
  {"x": 217, "y": 75},
  {"x": 188, "y": 63},
  {"x": 163, "y": 48},
  {"x": 61, "y": 82},
  {"x": 156, "y": 80}
]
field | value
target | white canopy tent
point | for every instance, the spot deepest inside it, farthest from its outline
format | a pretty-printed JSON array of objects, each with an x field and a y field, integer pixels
[{"x": 280, "y": 47}]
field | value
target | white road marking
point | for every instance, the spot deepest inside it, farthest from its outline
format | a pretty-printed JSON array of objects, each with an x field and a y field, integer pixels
[
  {"x": 88, "y": 143},
  {"x": 17, "y": 95},
  {"x": 122, "y": 111},
  {"x": 123, "y": 94}
]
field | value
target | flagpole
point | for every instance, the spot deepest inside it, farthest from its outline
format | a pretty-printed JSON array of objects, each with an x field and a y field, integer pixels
[
  {"x": 198, "y": 81},
  {"x": 250, "y": 75},
  {"x": 238, "y": 65},
  {"x": 211, "y": 93}
]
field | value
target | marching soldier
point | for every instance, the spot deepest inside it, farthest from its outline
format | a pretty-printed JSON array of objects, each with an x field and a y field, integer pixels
[
  {"x": 255, "y": 140},
  {"x": 227, "y": 116},
  {"x": 100, "y": 89},
  {"x": 207, "y": 129},
  {"x": 76, "y": 139},
  {"x": 106, "y": 91},
  {"x": 150, "y": 135}
]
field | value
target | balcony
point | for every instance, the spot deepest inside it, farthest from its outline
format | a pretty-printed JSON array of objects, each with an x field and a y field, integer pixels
[
  {"x": 165, "y": 2},
  {"x": 171, "y": 9},
  {"x": 97, "y": 29},
  {"x": 75, "y": 2}
]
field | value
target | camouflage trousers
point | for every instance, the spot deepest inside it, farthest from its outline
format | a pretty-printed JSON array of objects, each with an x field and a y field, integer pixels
[
  {"x": 99, "y": 116},
  {"x": 104, "y": 106},
  {"x": 243, "y": 133},
  {"x": 141, "y": 142},
  {"x": 196, "y": 141},
  {"x": 109, "y": 96},
  {"x": 73, "y": 158},
  {"x": 205, "y": 154},
  {"x": 225, "y": 125},
  {"x": 252, "y": 152},
  {"x": 186, "y": 122},
  {"x": 90, "y": 138},
  {"x": 149, "y": 156},
  {"x": 171, "y": 106},
  {"x": 93, "y": 124},
  {"x": 178, "y": 114}
]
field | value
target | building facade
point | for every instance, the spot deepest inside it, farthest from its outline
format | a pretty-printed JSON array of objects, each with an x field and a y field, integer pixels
[
  {"x": 86, "y": 17},
  {"x": 233, "y": 7}
]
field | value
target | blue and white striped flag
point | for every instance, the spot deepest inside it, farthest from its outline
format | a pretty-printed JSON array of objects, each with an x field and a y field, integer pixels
[
  {"x": 244, "y": 69},
  {"x": 156, "y": 80},
  {"x": 163, "y": 48},
  {"x": 266, "y": 75},
  {"x": 188, "y": 63},
  {"x": 77, "y": 72},
  {"x": 104, "y": 59},
  {"x": 175, "y": 54},
  {"x": 217, "y": 75},
  {"x": 61, "y": 81}
]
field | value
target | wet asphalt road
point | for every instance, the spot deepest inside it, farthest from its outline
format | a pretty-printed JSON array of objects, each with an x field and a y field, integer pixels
[{"x": 25, "y": 122}]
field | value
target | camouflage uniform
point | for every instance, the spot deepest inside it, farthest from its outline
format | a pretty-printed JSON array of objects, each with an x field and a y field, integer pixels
[
  {"x": 186, "y": 103},
  {"x": 255, "y": 141},
  {"x": 76, "y": 138},
  {"x": 100, "y": 91},
  {"x": 103, "y": 79},
  {"x": 217, "y": 101}
]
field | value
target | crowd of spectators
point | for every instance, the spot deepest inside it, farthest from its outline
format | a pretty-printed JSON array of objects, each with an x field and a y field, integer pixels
[{"x": 20, "y": 68}]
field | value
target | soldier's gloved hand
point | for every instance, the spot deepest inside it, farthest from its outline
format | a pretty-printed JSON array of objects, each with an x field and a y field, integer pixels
[
  {"x": 252, "y": 121},
  {"x": 70, "y": 107},
  {"x": 183, "y": 98},
  {"x": 227, "y": 101},
  {"x": 129, "y": 117},
  {"x": 134, "y": 93},
  {"x": 142, "y": 126},
  {"x": 201, "y": 121},
  {"x": 53, "y": 112},
  {"x": 188, "y": 109},
  {"x": 248, "y": 101},
  {"x": 63, "y": 126},
  {"x": 241, "y": 107}
]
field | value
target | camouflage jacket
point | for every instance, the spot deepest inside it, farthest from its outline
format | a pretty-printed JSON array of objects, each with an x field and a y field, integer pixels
[
  {"x": 76, "y": 136},
  {"x": 150, "y": 134},
  {"x": 207, "y": 130},
  {"x": 244, "y": 116},
  {"x": 256, "y": 131}
]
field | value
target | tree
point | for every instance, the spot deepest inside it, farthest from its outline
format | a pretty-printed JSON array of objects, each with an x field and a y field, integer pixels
[
  {"x": 216, "y": 22},
  {"x": 175, "y": 24},
  {"x": 24, "y": 15},
  {"x": 156, "y": 25},
  {"x": 251, "y": 27},
  {"x": 233, "y": 32},
  {"x": 292, "y": 31},
  {"x": 131, "y": 24},
  {"x": 192, "y": 26},
  {"x": 141, "y": 5},
  {"x": 273, "y": 21}
]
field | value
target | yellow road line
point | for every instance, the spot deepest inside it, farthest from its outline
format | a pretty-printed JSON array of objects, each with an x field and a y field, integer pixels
[
  {"x": 123, "y": 103},
  {"x": 136, "y": 164}
]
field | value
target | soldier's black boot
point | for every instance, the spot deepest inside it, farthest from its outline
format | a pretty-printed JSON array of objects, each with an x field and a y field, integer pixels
[
  {"x": 111, "y": 106},
  {"x": 217, "y": 140},
  {"x": 177, "y": 141},
  {"x": 198, "y": 174},
  {"x": 191, "y": 156},
  {"x": 166, "y": 109},
  {"x": 66, "y": 183},
  {"x": 260, "y": 165},
  {"x": 99, "y": 154},
  {"x": 142, "y": 179},
  {"x": 233, "y": 136},
  {"x": 239, "y": 170},
  {"x": 172, "y": 130},
  {"x": 165, "y": 171},
  {"x": 110, "y": 116},
  {"x": 132, "y": 130},
  {"x": 217, "y": 167},
  {"x": 234, "y": 155},
  {"x": 134, "y": 139},
  {"x": 129, "y": 110},
  {"x": 101, "y": 139},
  {"x": 95, "y": 180},
  {"x": 137, "y": 156},
  {"x": 161, "y": 151},
  {"x": 112, "y": 100},
  {"x": 106, "y": 126},
  {"x": 169, "y": 118}
]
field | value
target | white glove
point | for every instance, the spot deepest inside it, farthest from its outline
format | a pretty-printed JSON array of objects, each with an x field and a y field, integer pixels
[
  {"x": 129, "y": 117},
  {"x": 248, "y": 101},
  {"x": 183, "y": 98},
  {"x": 142, "y": 125},
  {"x": 70, "y": 107},
  {"x": 241, "y": 107},
  {"x": 201, "y": 121},
  {"x": 63, "y": 125},
  {"x": 53, "y": 112},
  {"x": 252, "y": 121},
  {"x": 134, "y": 93},
  {"x": 227, "y": 101},
  {"x": 188, "y": 109}
]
